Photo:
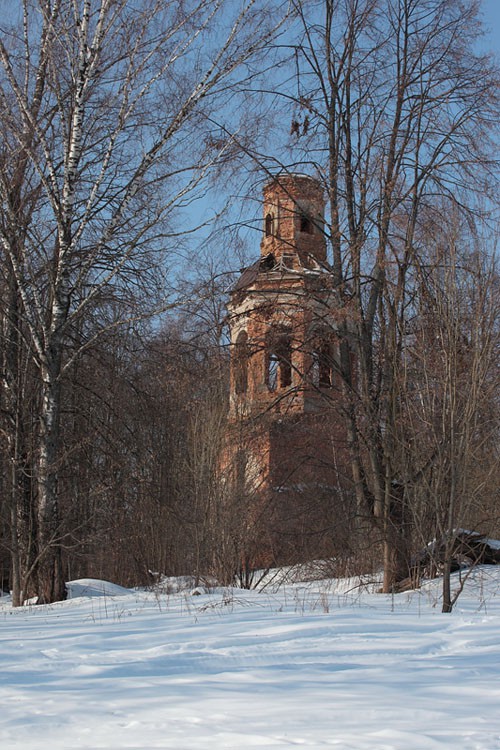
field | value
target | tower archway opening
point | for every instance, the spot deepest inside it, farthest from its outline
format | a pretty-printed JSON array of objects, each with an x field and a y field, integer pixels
[
  {"x": 241, "y": 363},
  {"x": 279, "y": 360},
  {"x": 321, "y": 374},
  {"x": 306, "y": 226}
]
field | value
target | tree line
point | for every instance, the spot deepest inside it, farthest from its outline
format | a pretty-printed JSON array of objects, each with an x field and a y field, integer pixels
[{"x": 115, "y": 117}]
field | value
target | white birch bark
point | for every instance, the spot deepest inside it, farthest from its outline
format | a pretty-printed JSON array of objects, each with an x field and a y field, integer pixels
[{"x": 98, "y": 141}]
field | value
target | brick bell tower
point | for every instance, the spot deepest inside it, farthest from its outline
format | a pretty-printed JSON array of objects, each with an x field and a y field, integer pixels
[{"x": 285, "y": 438}]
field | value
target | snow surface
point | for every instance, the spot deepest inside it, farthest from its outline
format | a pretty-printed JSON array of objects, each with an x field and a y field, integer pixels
[{"x": 309, "y": 665}]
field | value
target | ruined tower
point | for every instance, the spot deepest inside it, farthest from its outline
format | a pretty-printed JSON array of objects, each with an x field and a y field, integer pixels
[{"x": 286, "y": 440}]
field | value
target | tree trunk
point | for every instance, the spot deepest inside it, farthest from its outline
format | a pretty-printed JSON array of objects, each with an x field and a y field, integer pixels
[
  {"x": 51, "y": 586},
  {"x": 396, "y": 568},
  {"x": 15, "y": 572},
  {"x": 447, "y": 602}
]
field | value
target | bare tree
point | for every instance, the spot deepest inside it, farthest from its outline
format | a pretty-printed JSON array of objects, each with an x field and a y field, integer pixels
[
  {"x": 448, "y": 432},
  {"x": 100, "y": 118},
  {"x": 395, "y": 109}
]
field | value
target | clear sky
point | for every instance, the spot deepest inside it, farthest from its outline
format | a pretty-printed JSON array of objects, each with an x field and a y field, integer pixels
[{"x": 491, "y": 16}]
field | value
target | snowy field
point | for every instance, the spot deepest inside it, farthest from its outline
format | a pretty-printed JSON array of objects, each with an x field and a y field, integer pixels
[{"x": 309, "y": 665}]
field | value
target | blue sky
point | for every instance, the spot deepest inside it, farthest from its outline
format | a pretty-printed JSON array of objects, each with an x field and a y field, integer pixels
[{"x": 491, "y": 16}]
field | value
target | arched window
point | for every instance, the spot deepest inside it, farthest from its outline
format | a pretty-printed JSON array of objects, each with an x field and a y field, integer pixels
[
  {"x": 241, "y": 363},
  {"x": 322, "y": 363},
  {"x": 269, "y": 222},
  {"x": 306, "y": 225},
  {"x": 273, "y": 367},
  {"x": 279, "y": 360}
]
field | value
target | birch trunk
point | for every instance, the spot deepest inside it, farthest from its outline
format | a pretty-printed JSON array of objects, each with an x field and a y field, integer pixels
[
  {"x": 51, "y": 585},
  {"x": 103, "y": 107}
]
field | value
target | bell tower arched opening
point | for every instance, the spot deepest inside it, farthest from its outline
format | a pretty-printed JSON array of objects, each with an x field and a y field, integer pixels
[
  {"x": 306, "y": 225},
  {"x": 278, "y": 360},
  {"x": 241, "y": 363}
]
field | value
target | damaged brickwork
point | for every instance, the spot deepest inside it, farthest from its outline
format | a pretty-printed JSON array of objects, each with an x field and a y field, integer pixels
[{"x": 286, "y": 443}]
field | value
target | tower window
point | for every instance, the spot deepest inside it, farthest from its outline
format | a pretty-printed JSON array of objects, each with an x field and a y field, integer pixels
[
  {"x": 241, "y": 363},
  {"x": 273, "y": 371},
  {"x": 279, "y": 361},
  {"x": 306, "y": 225},
  {"x": 321, "y": 373},
  {"x": 269, "y": 228}
]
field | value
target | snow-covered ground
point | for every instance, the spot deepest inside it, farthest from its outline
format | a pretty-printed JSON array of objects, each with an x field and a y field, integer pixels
[{"x": 309, "y": 665}]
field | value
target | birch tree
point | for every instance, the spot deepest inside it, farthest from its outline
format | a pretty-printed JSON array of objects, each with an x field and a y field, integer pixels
[{"x": 104, "y": 135}]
